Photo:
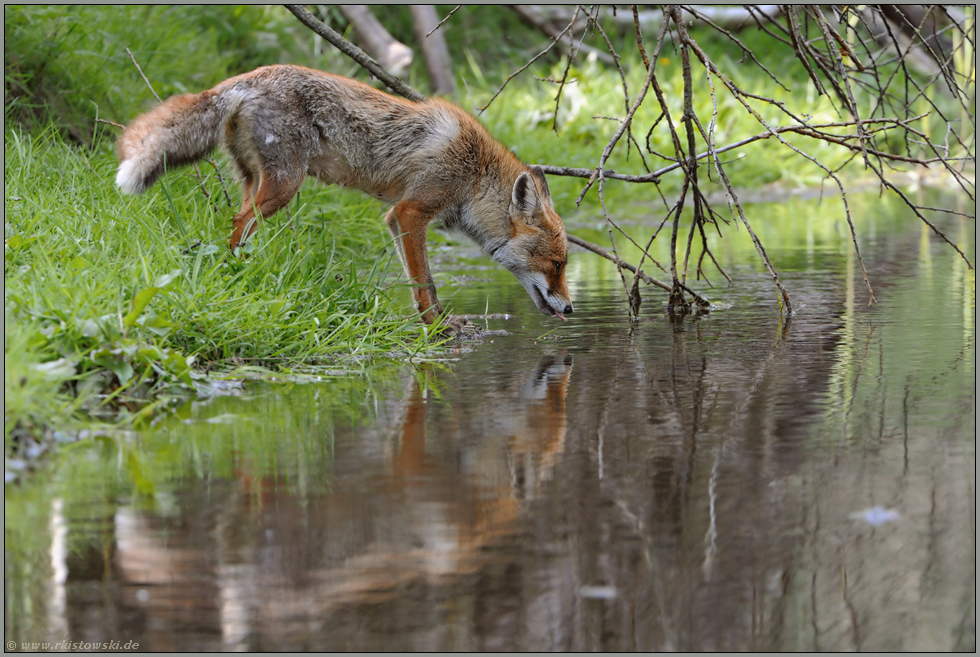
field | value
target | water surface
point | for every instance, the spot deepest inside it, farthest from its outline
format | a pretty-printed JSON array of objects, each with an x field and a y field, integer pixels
[{"x": 737, "y": 481}]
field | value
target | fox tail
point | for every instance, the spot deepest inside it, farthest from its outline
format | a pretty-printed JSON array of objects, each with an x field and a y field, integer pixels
[{"x": 181, "y": 131}]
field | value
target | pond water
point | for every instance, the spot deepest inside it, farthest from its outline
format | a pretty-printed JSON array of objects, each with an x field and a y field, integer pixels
[{"x": 734, "y": 481}]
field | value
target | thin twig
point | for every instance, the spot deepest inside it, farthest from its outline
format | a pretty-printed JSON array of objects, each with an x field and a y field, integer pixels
[
  {"x": 639, "y": 36},
  {"x": 564, "y": 80},
  {"x": 531, "y": 61},
  {"x": 112, "y": 123},
  {"x": 142, "y": 75},
  {"x": 448, "y": 16},
  {"x": 546, "y": 29},
  {"x": 626, "y": 95}
]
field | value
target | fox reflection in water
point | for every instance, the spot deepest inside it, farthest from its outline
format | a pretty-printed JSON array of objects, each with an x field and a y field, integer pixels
[{"x": 451, "y": 481}]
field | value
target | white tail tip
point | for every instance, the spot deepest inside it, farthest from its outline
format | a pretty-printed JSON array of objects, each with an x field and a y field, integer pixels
[{"x": 129, "y": 179}]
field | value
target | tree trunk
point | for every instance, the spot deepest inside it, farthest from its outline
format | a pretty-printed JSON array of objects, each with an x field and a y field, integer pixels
[
  {"x": 434, "y": 50},
  {"x": 393, "y": 55}
]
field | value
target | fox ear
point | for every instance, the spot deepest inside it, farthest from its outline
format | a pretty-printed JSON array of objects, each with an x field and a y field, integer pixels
[
  {"x": 538, "y": 173},
  {"x": 524, "y": 200}
]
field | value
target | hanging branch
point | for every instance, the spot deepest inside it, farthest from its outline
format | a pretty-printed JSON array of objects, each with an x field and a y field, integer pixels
[
  {"x": 691, "y": 172},
  {"x": 815, "y": 131},
  {"x": 355, "y": 53}
]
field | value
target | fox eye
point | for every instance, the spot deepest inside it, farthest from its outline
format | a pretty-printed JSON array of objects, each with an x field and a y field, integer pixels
[{"x": 558, "y": 265}]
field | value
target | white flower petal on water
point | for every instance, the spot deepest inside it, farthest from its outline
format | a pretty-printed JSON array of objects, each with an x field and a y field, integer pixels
[{"x": 876, "y": 515}]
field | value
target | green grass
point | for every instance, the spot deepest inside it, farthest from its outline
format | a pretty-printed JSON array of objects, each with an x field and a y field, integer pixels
[
  {"x": 34, "y": 381},
  {"x": 141, "y": 295}
]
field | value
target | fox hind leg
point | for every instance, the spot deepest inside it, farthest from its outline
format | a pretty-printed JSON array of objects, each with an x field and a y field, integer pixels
[
  {"x": 271, "y": 194},
  {"x": 248, "y": 203},
  {"x": 272, "y": 168}
]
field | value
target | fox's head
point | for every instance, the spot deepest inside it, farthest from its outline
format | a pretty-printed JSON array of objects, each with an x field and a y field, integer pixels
[{"x": 538, "y": 248}]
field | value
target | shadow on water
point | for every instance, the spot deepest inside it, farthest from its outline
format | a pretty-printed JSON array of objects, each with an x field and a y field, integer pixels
[{"x": 730, "y": 482}]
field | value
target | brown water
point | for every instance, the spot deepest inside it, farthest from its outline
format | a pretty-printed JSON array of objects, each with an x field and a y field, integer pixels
[{"x": 730, "y": 482}]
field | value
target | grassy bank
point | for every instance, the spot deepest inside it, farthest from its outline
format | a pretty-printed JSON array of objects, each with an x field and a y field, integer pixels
[{"x": 119, "y": 299}]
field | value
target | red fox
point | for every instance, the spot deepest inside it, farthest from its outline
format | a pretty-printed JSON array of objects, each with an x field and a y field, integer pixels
[{"x": 428, "y": 160}]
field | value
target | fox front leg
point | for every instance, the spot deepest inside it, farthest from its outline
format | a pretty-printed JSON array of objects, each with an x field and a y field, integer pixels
[{"x": 408, "y": 222}]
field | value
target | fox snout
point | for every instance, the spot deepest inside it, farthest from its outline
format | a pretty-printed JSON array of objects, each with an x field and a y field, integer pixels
[
  {"x": 547, "y": 289},
  {"x": 556, "y": 305},
  {"x": 551, "y": 300}
]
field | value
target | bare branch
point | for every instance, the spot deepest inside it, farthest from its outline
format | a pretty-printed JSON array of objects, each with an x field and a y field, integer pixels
[
  {"x": 355, "y": 53},
  {"x": 448, "y": 16}
]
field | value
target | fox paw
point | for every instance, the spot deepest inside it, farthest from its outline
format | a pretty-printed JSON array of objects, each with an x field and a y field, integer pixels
[{"x": 455, "y": 326}]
